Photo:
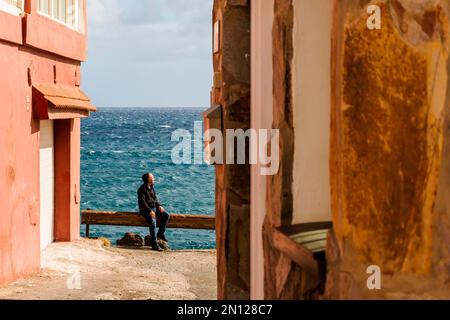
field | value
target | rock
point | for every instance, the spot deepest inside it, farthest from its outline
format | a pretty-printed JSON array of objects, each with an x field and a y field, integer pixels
[
  {"x": 131, "y": 240},
  {"x": 148, "y": 243},
  {"x": 105, "y": 242}
]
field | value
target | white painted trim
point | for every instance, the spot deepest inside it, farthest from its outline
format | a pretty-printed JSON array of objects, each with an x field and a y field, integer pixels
[
  {"x": 9, "y": 8},
  {"x": 77, "y": 27},
  {"x": 56, "y": 20},
  {"x": 46, "y": 184}
]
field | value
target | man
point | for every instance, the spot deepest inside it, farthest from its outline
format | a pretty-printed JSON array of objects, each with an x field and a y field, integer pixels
[{"x": 150, "y": 208}]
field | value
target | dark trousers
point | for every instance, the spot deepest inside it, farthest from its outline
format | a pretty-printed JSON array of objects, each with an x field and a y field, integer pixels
[{"x": 164, "y": 219}]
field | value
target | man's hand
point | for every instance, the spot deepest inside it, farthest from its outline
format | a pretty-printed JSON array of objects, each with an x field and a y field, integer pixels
[
  {"x": 162, "y": 210},
  {"x": 153, "y": 214}
]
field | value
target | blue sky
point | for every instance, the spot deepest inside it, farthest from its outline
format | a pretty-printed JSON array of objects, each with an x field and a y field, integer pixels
[{"x": 149, "y": 53}]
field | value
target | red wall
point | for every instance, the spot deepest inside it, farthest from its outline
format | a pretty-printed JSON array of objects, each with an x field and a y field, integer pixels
[
  {"x": 67, "y": 168},
  {"x": 45, "y": 45}
]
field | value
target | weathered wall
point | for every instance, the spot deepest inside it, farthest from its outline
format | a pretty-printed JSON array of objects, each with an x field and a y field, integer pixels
[
  {"x": 283, "y": 279},
  {"x": 41, "y": 33},
  {"x": 233, "y": 181},
  {"x": 389, "y": 156},
  {"x": 261, "y": 118},
  {"x": 390, "y": 150},
  {"x": 21, "y": 67},
  {"x": 300, "y": 191},
  {"x": 19, "y": 163}
]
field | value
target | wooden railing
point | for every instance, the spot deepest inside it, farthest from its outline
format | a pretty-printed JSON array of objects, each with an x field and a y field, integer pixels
[
  {"x": 133, "y": 219},
  {"x": 305, "y": 244}
]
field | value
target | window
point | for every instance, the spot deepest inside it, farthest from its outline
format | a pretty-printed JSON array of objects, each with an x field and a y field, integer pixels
[
  {"x": 67, "y": 12},
  {"x": 14, "y": 7}
]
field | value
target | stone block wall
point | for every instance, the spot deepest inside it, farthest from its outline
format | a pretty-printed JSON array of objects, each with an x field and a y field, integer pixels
[
  {"x": 390, "y": 150},
  {"x": 232, "y": 63},
  {"x": 390, "y": 153},
  {"x": 283, "y": 278}
]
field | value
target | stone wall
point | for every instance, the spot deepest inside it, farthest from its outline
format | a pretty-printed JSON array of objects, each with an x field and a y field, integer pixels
[
  {"x": 232, "y": 67},
  {"x": 283, "y": 279},
  {"x": 389, "y": 159},
  {"x": 390, "y": 150}
]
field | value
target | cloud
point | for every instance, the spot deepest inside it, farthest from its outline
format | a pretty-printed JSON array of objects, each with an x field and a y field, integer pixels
[
  {"x": 151, "y": 40},
  {"x": 139, "y": 12},
  {"x": 103, "y": 12},
  {"x": 156, "y": 11}
]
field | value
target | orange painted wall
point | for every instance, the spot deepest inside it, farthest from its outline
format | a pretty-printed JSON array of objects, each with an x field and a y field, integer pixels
[{"x": 21, "y": 66}]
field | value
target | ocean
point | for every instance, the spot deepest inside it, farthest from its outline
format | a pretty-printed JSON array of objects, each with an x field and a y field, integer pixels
[{"x": 119, "y": 145}]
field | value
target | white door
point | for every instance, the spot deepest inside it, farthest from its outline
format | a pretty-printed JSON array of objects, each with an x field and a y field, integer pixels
[{"x": 47, "y": 217}]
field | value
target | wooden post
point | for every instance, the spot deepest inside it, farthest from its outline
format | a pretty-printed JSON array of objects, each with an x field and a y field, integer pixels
[{"x": 88, "y": 216}]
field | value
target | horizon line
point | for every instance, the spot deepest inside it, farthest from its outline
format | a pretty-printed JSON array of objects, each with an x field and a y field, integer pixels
[{"x": 153, "y": 107}]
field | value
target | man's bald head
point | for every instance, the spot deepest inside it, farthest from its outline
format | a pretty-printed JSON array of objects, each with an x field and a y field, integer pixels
[{"x": 148, "y": 178}]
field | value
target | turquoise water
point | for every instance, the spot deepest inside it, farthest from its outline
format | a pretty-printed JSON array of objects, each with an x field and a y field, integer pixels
[{"x": 119, "y": 145}]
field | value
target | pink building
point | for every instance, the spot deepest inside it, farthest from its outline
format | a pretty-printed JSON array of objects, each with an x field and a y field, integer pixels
[{"x": 42, "y": 44}]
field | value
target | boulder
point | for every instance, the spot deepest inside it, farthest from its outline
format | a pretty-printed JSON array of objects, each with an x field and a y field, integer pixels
[{"x": 131, "y": 240}]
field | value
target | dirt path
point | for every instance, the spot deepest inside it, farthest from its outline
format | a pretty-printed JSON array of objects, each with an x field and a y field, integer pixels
[{"x": 86, "y": 270}]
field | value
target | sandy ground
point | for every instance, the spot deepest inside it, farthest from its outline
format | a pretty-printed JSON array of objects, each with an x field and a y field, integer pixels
[{"x": 86, "y": 270}]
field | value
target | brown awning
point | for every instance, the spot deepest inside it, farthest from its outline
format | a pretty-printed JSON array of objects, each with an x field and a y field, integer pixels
[{"x": 54, "y": 101}]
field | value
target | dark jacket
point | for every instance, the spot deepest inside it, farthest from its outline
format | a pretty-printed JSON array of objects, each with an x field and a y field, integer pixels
[{"x": 147, "y": 199}]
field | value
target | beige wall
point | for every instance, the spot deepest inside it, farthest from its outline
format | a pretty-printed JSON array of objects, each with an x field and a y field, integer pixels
[
  {"x": 261, "y": 118},
  {"x": 311, "y": 82}
]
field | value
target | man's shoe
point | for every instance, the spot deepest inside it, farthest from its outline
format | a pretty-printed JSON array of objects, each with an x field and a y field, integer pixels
[
  {"x": 163, "y": 245},
  {"x": 163, "y": 238},
  {"x": 157, "y": 248}
]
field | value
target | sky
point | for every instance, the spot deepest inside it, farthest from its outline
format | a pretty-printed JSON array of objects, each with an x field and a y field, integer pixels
[{"x": 149, "y": 53}]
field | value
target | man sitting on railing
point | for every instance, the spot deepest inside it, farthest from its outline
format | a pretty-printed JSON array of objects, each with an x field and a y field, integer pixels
[{"x": 150, "y": 208}]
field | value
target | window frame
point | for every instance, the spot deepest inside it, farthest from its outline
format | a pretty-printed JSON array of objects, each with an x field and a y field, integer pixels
[
  {"x": 77, "y": 27},
  {"x": 12, "y": 9}
]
